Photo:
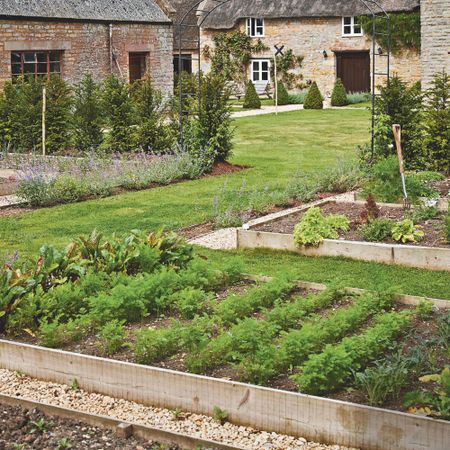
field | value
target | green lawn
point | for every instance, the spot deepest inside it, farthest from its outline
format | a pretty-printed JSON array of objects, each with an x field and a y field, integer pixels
[{"x": 274, "y": 147}]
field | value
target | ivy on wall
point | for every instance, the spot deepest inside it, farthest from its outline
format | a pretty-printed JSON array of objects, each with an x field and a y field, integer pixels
[
  {"x": 405, "y": 31},
  {"x": 233, "y": 51},
  {"x": 231, "y": 54}
]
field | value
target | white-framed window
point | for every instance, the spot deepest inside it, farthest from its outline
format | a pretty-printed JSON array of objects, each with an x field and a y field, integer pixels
[
  {"x": 260, "y": 70},
  {"x": 255, "y": 27},
  {"x": 351, "y": 26}
]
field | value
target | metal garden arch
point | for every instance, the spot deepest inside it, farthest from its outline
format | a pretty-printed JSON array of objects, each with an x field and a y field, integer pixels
[{"x": 203, "y": 9}]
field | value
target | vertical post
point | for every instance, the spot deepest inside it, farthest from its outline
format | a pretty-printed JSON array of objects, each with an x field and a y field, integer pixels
[
  {"x": 276, "y": 83},
  {"x": 44, "y": 110}
]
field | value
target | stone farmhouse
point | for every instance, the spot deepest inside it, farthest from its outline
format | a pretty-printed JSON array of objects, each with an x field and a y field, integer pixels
[
  {"x": 327, "y": 33},
  {"x": 70, "y": 38}
]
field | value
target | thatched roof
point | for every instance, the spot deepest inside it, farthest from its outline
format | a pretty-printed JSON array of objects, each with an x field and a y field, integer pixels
[
  {"x": 225, "y": 16},
  {"x": 86, "y": 10}
]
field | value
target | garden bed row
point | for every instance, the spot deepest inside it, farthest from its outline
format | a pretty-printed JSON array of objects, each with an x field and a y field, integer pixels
[{"x": 429, "y": 248}]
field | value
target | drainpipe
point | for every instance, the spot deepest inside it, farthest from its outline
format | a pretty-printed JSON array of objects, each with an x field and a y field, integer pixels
[{"x": 111, "y": 56}]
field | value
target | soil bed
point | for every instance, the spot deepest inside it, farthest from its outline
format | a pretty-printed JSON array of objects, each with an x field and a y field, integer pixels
[
  {"x": 432, "y": 228},
  {"x": 34, "y": 430}
]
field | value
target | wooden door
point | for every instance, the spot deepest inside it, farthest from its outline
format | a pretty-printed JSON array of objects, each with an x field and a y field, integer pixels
[
  {"x": 353, "y": 68},
  {"x": 138, "y": 66}
]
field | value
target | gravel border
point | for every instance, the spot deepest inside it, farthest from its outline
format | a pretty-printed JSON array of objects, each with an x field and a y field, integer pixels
[{"x": 199, "y": 426}]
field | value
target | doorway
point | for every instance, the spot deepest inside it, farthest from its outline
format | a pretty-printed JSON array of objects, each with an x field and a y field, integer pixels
[
  {"x": 137, "y": 65},
  {"x": 353, "y": 68}
]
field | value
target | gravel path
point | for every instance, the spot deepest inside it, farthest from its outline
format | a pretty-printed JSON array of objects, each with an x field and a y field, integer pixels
[
  {"x": 266, "y": 110},
  {"x": 14, "y": 384},
  {"x": 224, "y": 239}
]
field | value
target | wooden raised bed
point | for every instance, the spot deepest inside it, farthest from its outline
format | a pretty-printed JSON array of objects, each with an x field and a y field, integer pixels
[
  {"x": 250, "y": 236},
  {"x": 318, "y": 419}
]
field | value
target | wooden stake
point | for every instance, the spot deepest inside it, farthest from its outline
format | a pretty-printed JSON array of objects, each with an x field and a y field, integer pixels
[{"x": 44, "y": 109}]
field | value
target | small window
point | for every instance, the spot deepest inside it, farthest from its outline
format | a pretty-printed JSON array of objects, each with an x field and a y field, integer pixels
[
  {"x": 255, "y": 27},
  {"x": 186, "y": 63},
  {"x": 35, "y": 64},
  {"x": 351, "y": 26},
  {"x": 260, "y": 70}
]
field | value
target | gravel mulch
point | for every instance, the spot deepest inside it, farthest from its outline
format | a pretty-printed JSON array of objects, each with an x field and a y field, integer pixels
[
  {"x": 199, "y": 426},
  {"x": 26, "y": 430}
]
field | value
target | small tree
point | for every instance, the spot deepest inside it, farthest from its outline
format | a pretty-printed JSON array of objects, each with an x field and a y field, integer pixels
[
  {"x": 283, "y": 96},
  {"x": 87, "y": 115},
  {"x": 314, "y": 99},
  {"x": 251, "y": 99},
  {"x": 118, "y": 108},
  {"x": 339, "y": 95},
  {"x": 153, "y": 134},
  {"x": 215, "y": 128},
  {"x": 436, "y": 124},
  {"x": 58, "y": 115}
]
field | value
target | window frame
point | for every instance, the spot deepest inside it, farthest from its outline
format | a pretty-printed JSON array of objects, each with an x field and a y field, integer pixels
[
  {"x": 352, "y": 25},
  {"x": 36, "y": 74},
  {"x": 260, "y": 70},
  {"x": 252, "y": 27}
]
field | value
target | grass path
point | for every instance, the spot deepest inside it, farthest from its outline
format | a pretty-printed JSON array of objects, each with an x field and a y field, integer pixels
[{"x": 274, "y": 147}]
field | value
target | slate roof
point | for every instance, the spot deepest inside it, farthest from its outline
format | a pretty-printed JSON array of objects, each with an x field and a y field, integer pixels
[
  {"x": 86, "y": 10},
  {"x": 225, "y": 16}
]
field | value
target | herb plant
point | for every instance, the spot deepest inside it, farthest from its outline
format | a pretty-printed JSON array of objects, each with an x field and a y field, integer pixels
[{"x": 405, "y": 231}]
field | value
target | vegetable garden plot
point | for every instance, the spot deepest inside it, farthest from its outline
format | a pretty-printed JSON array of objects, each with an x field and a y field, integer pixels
[{"x": 181, "y": 314}]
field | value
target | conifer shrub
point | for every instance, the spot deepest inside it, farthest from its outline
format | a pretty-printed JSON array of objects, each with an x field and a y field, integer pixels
[
  {"x": 251, "y": 99},
  {"x": 283, "y": 96},
  {"x": 339, "y": 95},
  {"x": 58, "y": 115},
  {"x": 436, "y": 124},
  {"x": 118, "y": 107},
  {"x": 153, "y": 134},
  {"x": 87, "y": 120},
  {"x": 314, "y": 99}
]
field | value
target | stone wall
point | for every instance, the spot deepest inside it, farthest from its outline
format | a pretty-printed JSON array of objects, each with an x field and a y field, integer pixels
[
  {"x": 435, "y": 38},
  {"x": 86, "y": 47},
  {"x": 309, "y": 37}
]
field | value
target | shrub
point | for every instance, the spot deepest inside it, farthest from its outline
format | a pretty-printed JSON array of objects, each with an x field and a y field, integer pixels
[
  {"x": 399, "y": 104},
  {"x": 339, "y": 95},
  {"x": 153, "y": 134},
  {"x": 58, "y": 115},
  {"x": 358, "y": 97},
  {"x": 314, "y": 227},
  {"x": 118, "y": 107},
  {"x": 283, "y": 96},
  {"x": 405, "y": 231},
  {"x": 447, "y": 227},
  {"x": 385, "y": 183},
  {"x": 251, "y": 99},
  {"x": 436, "y": 124},
  {"x": 377, "y": 230},
  {"x": 298, "y": 98},
  {"x": 215, "y": 128},
  {"x": 87, "y": 118},
  {"x": 111, "y": 337},
  {"x": 313, "y": 99}
]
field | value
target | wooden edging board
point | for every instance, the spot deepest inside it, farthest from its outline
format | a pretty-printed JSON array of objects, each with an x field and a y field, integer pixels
[
  {"x": 314, "y": 418},
  {"x": 140, "y": 431},
  {"x": 431, "y": 258},
  {"x": 405, "y": 299}
]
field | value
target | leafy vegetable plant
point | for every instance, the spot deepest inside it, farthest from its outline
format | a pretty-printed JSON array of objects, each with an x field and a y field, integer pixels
[
  {"x": 314, "y": 227},
  {"x": 405, "y": 231}
]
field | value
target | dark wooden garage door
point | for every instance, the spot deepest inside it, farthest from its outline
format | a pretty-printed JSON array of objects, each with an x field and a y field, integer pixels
[{"x": 353, "y": 68}]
